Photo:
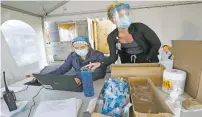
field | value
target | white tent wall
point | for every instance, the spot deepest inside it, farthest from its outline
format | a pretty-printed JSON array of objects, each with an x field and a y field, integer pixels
[
  {"x": 181, "y": 22},
  {"x": 173, "y": 22},
  {"x": 13, "y": 72}
]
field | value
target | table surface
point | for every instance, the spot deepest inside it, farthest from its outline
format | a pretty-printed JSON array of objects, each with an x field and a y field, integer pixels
[
  {"x": 46, "y": 94},
  {"x": 184, "y": 112}
]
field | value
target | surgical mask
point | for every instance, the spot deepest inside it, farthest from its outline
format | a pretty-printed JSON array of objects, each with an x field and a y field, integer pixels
[
  {"x": 124, "y": 22},
  {"x": 82, "y": 52}
]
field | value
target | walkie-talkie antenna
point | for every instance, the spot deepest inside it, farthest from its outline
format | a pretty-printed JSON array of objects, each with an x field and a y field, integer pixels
[{"x": 6, "y": 87}]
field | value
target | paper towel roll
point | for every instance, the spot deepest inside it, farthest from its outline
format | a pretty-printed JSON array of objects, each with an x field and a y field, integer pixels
[{"x": 174, "y": 79}]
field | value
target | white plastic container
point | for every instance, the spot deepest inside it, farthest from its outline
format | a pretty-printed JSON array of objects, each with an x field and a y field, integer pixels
[
  {"x": 168, "y": 64},
  {"x": 174, "y": 79}
]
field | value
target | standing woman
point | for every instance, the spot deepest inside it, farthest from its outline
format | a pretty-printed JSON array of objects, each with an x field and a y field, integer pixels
[{"x": 133, "y": 42}]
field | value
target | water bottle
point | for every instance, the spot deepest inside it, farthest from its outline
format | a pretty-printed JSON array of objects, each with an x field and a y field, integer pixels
[{"x": 87, "y": 82}]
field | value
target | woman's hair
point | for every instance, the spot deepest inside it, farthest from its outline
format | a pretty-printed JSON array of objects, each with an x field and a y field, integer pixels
[{"x": 112, "y": 6}]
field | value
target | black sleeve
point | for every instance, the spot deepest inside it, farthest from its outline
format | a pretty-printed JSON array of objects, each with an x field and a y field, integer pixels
[
  {"x": 152, "y": 39},
  {"x": 98, "y": 73},
  {"x": 112, "y": 48}
]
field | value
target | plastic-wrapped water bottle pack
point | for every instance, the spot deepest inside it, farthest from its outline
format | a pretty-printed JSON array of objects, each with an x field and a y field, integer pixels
[{"x": 114, "y": 101}]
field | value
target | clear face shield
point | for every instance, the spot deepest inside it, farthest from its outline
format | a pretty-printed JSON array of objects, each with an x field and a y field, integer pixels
[{"x": 121, "y": 16}]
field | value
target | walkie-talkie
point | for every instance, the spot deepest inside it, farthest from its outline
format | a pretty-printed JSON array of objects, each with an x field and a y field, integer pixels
[{"x": 9, "y": 96}]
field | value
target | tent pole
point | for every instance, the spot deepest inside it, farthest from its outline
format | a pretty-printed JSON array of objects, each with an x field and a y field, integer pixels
[
  {"x": 55, "y": 7},
  {"x": 44, "y": 38}
]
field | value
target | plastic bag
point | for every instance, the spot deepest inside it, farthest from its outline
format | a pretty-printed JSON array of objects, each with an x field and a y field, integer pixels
[
  {"x": 126, "y": 110},
  {"x": 114, "y": 95},
  {"x": 141, "y": 89},
  {"x": 143, "y": 98}
]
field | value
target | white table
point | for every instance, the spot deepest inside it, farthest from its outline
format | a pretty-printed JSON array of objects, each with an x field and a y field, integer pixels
[{"x": 46, "y": 94}]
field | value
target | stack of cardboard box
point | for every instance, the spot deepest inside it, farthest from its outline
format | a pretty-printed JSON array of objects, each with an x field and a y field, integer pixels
[{"x": 188, "y": 57}]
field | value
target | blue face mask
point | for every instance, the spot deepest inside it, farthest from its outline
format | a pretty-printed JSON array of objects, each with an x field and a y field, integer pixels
[
  {"x": 82, "y": 52},
  {"x": 125, "y": 21}
]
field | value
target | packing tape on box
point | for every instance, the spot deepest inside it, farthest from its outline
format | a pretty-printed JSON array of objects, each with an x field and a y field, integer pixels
[{"x": 174, "y": 79}]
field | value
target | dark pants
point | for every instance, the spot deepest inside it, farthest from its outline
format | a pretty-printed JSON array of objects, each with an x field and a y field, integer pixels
[{"x": 140, "y": 58}]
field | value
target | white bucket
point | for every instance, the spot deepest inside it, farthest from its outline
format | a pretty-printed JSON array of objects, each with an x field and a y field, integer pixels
[{"x": 172, "y": 79}]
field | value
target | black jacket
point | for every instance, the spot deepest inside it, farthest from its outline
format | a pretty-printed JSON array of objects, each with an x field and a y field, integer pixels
[{"x": 145, "y": 37}]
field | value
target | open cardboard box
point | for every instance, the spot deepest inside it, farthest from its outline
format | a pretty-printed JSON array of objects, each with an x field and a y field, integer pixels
[
  {"x": 94, "y": 113},
  {"x": 159, "y": 107},
  {"x": 153, "y": 71}
]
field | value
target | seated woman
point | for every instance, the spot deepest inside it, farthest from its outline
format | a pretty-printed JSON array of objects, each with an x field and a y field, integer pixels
[{"x": 83, "y": 55}]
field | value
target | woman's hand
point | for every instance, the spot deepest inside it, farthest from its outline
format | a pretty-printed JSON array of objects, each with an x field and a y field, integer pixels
[
  {"x": 93, "y": 66},
  {"x": 78, "y": 81}
]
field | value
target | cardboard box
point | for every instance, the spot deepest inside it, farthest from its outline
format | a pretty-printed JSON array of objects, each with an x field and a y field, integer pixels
[
  {"x": 103, "y": 29},
  {"x": 188, "y": 57},
  {"x": 158, "y": 108},
  {"x": 153, "y": 71},
  {"x": 95, "y": 114}
]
